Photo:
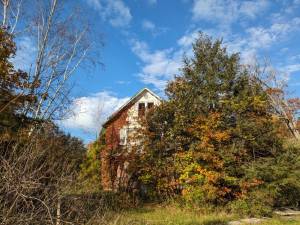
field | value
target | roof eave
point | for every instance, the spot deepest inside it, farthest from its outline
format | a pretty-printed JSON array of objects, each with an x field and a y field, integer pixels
[{"x": 110, "y": 118}]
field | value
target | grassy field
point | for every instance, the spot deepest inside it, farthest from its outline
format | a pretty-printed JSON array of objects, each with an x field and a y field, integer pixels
[
  {"x": 279, "y": 221},
  {"x": 168, "y": 215}
]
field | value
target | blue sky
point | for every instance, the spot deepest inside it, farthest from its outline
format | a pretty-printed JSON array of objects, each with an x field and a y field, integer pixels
[{"x": 145, "y": 40}]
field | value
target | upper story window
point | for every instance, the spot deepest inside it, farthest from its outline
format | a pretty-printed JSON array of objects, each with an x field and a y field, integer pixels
[
  {"x": 141, "y": 109},
  {"x": 150, "y": 105}
]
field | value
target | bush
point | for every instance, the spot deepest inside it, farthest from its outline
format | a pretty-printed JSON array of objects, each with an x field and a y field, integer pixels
[
  {"x": 258, "y": 203},
  {"x": 35, "y": 169},
  {"x": 280, "y": 185},
  {"x": 84, "y": 208}
]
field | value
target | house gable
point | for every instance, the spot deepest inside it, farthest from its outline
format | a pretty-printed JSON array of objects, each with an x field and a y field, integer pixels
[{"x": 145, "y": 95}]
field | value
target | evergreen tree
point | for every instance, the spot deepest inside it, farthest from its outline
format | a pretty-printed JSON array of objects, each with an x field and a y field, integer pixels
[{"x": 216, "y": 123}]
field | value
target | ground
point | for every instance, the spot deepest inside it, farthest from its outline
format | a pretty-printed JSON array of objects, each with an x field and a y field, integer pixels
[{"x": 170, "y": 215}]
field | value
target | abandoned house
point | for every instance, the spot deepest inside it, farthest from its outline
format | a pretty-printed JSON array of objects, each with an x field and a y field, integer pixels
[{"x": 118, "y": 128}]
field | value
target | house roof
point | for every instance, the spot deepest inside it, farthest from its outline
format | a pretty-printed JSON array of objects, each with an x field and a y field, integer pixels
[{"x": 132, "y": 100}]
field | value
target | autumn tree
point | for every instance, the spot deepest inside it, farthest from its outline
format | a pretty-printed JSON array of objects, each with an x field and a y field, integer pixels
[
  {"x": 286, "y": 108},
  {"x": 13, "y": 86},
  {"x": 215, "y": 124},
  {"x": 36, "y": 166},
  {"x": 62, "y": 41}
]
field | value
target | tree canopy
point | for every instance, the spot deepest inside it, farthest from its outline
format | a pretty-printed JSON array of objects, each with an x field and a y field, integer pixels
[{"x": 216, "y": 124}]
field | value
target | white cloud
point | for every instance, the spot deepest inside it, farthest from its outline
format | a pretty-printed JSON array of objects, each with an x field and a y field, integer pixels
[
  {"x": 25, "y": 54},
  {"x": 263, "y": 37},
  {"x": 148, "y": 25},
  {"x": 260, "y": 37},
  {"x": 188, "y": 39},
  {"x": 95, "y": 3},
  {"x": 158, "y": 66},
  {"x": 115, "y": 11},
  {"x": 152, "y": 2},
  {"x": 292, "y": 68},
  {"x": 252, "y": 8},
  {"x": 295, "y": 57},
  {"x": 226, "y": 12},
  {"x": 89, "y": 113},
  {"x": 123, "y": 82}
]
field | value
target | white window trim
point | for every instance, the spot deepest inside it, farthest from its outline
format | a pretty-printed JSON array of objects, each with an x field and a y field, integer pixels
[{"x": 123, "y": 136}]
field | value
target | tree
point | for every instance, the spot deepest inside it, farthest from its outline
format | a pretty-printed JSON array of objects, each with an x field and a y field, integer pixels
[
  {"x": 13, "y": 86},
  {"x": 64, "y": 42},
  {"x": 11, "y": 13},
  {"x": 89, "y": 177},
  {"x": 285, "y": 107},
  {"x": 216, "y": 122},
  {"x": 36, "y": 166}
]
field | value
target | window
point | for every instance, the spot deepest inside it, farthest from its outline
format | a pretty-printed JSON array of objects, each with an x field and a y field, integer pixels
[
  {"x": 123, "y": 136},
  {"x": 150, "y": 105},
  {"x": 141, "y": 109}
]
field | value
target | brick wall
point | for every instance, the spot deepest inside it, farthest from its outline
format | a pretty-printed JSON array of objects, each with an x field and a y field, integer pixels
[
  {"x": 114, "y": 160},
  {"x": 112, "y": 138}
]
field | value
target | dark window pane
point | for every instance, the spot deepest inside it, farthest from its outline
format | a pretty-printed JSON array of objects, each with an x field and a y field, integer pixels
[
  {"x": 141, "y": 109},
  {"x": 150, "y": 105}
]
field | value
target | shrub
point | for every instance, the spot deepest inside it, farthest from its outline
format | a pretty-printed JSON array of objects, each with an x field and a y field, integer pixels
[{"x": 257, "y": 203}]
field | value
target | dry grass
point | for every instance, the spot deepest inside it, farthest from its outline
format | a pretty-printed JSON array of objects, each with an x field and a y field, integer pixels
[
  {"x": 161, "y": 215},
  {"x": 172, "y": 215},
  {"x": 295, "y": 220}
]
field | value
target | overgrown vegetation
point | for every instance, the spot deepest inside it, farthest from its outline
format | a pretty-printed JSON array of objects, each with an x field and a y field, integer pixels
[
  {"x": 39, "y": 163},
  {"x": 166, "y": 214},
  {"x": 223, "y": 140},
  {"x": 217, "y": 140},
  {"x": 37, "y": 160},
  {"x": 89, "y": 178}
]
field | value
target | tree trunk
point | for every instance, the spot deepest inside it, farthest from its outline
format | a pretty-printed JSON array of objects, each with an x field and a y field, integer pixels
[{"x": 58, "y": 212}]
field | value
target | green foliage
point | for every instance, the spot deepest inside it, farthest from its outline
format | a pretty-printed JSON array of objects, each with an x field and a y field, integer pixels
[
  {"x": 281, "y": 176},
  {"x": 257, "y": 203},
  {"x": 216, "y": 140},
  {"x": 89, "y": 177},
  {"x": 168, "y": 214}
]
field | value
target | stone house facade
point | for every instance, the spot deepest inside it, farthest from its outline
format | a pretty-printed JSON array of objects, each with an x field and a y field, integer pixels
[{"x": 118, "y": 128}]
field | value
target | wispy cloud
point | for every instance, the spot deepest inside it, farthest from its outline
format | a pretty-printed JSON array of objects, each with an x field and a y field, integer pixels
[
  {"x": 159, "y": 66},
  {"x": 152, "y": 2},
  {"x": 149, "y": 26},
  {"x": 261, "y": 37},
  {"x": 115, "y": 11},
  {"x": 88, "y": 113},
  {"x": 226, "y": 12},
  {"x": 292, "y": 68},
  {"x": 187, "y": 39}
]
